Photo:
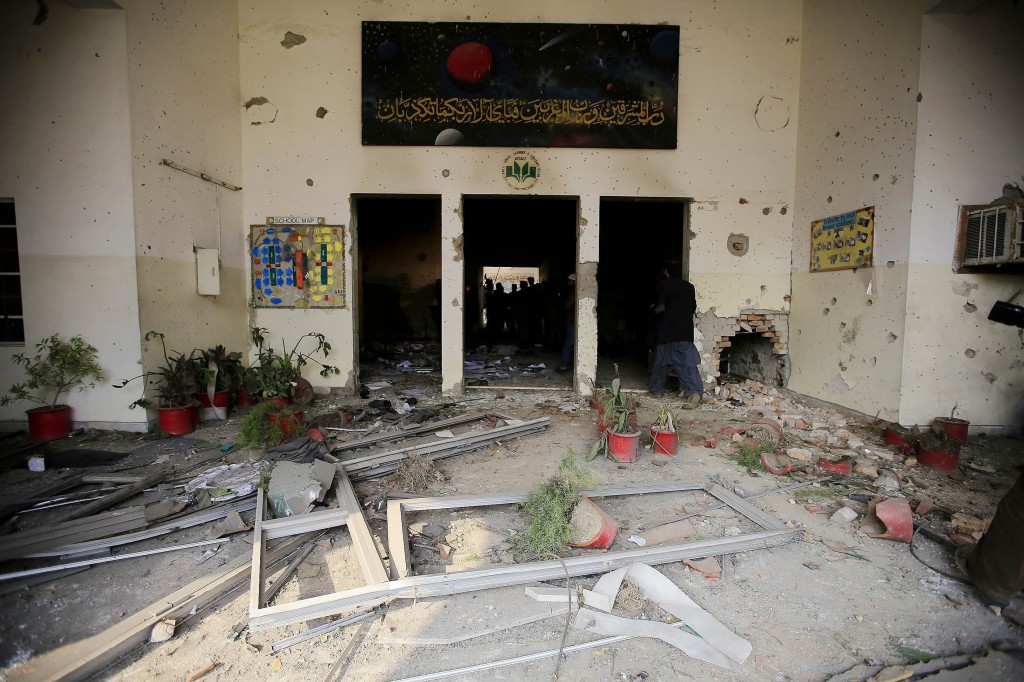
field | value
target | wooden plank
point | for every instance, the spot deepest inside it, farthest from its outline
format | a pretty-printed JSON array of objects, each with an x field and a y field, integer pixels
[
  {"x": 187, "y": 521},
  {"x": 399, "y": 564},
  {"x": 743, "y": 507},
  {"x": 470, "y": 581},
  {"x": 115, "y": 497},
  {"x": 55, "y": 488},
  {"x": 362, "y": 539},
  {"x": 27, "y": 542},
  {"x": 409, "y": 432},
  {"x": 111, "y": 478},
  {"x": 304, "y": 523},
  {"x": 258, "y": 554},
  {"x": 104, "y": 560},
  {"x": 81, "y": 659}
]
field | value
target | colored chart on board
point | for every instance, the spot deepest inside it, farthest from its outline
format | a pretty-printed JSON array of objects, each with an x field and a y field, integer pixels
[{"x": 297, "y": 266}]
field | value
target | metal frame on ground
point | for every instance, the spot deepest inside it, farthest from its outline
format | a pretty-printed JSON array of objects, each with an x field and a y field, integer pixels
[{"x": 405, "y": 586}]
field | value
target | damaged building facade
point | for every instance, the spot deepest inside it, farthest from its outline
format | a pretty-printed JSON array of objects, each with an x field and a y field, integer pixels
[{"x": 787, "y": 113}]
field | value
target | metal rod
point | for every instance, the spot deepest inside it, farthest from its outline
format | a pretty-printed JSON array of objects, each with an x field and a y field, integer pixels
[
  {"x": 794, "y": 486},
  {"x": 119, "y": 557},
  {"x": 528, "y": 658},
  {"x": 317, "y": 631},
  {"x": 201, "y": 176},
  {"x": 280, "y": 580}
]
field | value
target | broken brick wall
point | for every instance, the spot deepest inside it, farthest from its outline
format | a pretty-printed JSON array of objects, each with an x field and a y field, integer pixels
[{"x": 767, "y": 357}]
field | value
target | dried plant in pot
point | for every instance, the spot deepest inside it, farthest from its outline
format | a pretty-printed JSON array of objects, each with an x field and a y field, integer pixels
[{"x": 57, "y": 366}]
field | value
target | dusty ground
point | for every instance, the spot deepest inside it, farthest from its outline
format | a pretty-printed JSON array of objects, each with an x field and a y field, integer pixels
[{"x": 810, "y": 612}]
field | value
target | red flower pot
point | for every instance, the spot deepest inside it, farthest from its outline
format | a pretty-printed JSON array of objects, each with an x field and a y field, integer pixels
[
  {"x": 279, "y": 401},
  {"x": 243, "y": 397},
  {"x": 954, "y": 428},
  {"x": 49, "y": 423},
  {"x": 938, "y": 459},
  {"x": 210, "y": 410},
  {"x": 623, "y": 447},
  {"x": 288, "y": 421},
  {"x": 604, "y": 535},
  {"x": 177, "y": 421},
  {"x": 664, "y": 442}
]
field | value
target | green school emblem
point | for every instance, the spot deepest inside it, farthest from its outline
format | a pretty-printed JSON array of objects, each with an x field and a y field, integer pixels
[{"x": 521, "y": 170}]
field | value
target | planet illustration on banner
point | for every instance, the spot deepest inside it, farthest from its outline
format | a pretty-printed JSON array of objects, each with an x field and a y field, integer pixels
[
  {"x": 469, "y": 65},
  {"x": 387, "y": 51},
  {"x": 449, "y": 137},
  {"x": 665, "y": 45}
]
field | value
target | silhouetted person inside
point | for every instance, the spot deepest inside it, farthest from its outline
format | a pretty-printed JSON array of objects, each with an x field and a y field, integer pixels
[
  {"x": 674, "y": 308},
  {"x": 569, "y": 316}
]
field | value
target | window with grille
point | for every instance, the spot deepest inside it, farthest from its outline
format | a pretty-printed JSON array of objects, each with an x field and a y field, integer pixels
[
  {"x": 990, "y": 238},
  {"x": 12, "y": 325}
]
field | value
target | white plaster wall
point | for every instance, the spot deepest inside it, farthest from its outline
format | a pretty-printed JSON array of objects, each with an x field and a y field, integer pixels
[
  {"x": 65, "y": 157},
  {"x": 732, "y": 56},
  {"x": 970, "y": 142},
  {"x": 856, "y": 145},
  {"x": 184, "y": 91}
]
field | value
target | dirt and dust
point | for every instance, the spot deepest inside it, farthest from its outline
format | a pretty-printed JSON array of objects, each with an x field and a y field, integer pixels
[{"x": 833, "y": 600}]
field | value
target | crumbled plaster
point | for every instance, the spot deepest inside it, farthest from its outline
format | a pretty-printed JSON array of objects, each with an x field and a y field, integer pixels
[
  {"x": 292, "y": 39},
  {"x": 455, "y": 302},
  {"x": 260, "y": 111},
  {"x": 990, "y": 377},
  {"x": 962, "y": 288},
  {"x": 457, "y": 244},
  {"x": 771, "y": 113},
  {"x": 970, "y": 307},
  {"x": 837, "y": 384}
]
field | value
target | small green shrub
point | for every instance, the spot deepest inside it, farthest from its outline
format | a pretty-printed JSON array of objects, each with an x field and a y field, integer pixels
[
  {"x": 255, "y": 429},
  {"x": 549, "y": 508},
  {"x": 749, "y": 456}
]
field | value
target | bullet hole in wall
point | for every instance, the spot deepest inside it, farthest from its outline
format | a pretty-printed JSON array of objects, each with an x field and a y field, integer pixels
[
  {"x": 783, "y": 211},
  {"x": 743, "y": 201},
  {"x": 445, "y": 173},
  {"x": 826, "y": 311},
  {"x": 875, "y": 176},
  {"x": 764, "y": 288},
  {"x": 890, "y": 264},
  {"x": 766, "y": 210},
  {"x": 892, "y": 337},
  {"x": 738, "y": 244},
  {"x": 989, "y": 377},
  {"x": 920, "y": 97},
  {"x": 970, "y": 353},
  {"x": 837, "y": 133},
  {"x": 321, "y": 112},
  {"x": 292, "y": 39},
  {"x": 309, "y": 182},
  {"x": 829, "y": 200},
  {"x": 970, "y": 307},
  {"x": 834, "y": 300}
]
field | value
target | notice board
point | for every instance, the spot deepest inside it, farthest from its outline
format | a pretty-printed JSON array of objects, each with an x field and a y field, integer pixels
[
  {"x": 843, "y": 241},
  {"x": 298, "y": 265}
]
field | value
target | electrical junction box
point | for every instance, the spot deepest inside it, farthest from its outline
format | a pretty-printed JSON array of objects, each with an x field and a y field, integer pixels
[{"x": 208, "y": 272}]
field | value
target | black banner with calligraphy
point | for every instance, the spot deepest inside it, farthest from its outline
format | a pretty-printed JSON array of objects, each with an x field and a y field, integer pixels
[{"x": 520, "y": 85}]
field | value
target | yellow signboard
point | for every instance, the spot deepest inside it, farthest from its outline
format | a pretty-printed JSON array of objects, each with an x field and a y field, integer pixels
[{"x": 843, "y": 241}]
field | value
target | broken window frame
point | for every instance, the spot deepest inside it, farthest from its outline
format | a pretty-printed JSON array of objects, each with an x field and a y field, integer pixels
[{"x": 261, "y": 618}]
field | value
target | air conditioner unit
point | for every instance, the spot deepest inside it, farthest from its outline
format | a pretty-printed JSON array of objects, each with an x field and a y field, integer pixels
[{"x": 990, "y": 235}]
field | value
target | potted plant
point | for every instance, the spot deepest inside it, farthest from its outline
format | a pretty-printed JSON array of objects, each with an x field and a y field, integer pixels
[
  {"x": 619, "y": 436},
  {"x": 955, "y": 428},
  {"x": 218, "y": 374},
  {"x": 277, "y": 375},
  {"x": 663, "y": 432},
  {"x": 270, "y": 424},
  {"x": 56, "y": 366},
  {"x": 175, "y": 385},
  {"x": 936, "y": 449},
  {"x": 557, "y": 514}
]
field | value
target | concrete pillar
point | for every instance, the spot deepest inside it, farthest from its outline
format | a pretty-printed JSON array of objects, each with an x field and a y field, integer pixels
[
  {"x": 452, "y": 264},
  {"x": 587, "y": 251}
]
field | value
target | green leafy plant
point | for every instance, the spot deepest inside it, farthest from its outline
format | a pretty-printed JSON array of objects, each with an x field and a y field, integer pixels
[
  {"x": 665, "y": 420},
  {"x": 549, "y": 507},
  {"x": 56, "y": 367},
  {"x": 618, "y": 416},
  {"x": 749, "y": 456},
  {"x": 219, "y": 367},
  {"x": 257, "y": 429},
  {"x": 174, "y": 382},
  {"x": 274, "y": 375}
]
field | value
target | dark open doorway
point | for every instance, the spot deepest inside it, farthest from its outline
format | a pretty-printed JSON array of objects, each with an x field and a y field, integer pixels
[
  {"x": 506, "y": 332},
  {"x": 638, "y": 236},
  {"x": 398, "y": 278}
]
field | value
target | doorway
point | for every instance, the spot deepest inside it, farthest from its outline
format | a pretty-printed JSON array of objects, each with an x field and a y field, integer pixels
[
  {"x": 398, "y": 250},
  {"x": 515, "y": 319},
  {"x": 638, "y": 236}
]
